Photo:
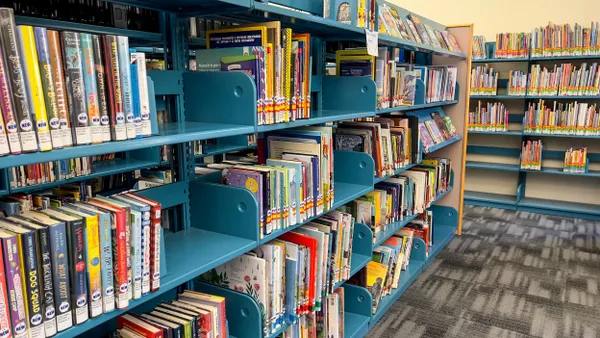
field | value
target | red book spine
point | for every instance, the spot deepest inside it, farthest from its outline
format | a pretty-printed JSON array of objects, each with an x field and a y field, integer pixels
[
  {"x": 121, "y": 258},
  {"x": 206, "y": 325},
  {"x": 124, "y": 321}
]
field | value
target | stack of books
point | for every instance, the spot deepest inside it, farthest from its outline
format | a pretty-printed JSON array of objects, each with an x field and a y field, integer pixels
[
  {"x": 296, "y": 275},
  {"x": 575, "y": 160},
  {"x": 479, "y": 50},
  {"x": 517, "y": 83},
  {"x": 45, "y": 172},
  {"x": 489, "y": 117},
  {"x": 440, "y": 82},
  {"x": 278, "y": 62},
  {"x": 192, "y": 314},
  {"x": 87, "y": 257},
  {"x": 512, "y": 45},
  {"x": 436, "y": 130},
  {"x": 392, "y": 142},
  {"x": 78, "y": 89},
  {"x": 564, "y": 80},
  {"x": 565, "y": 40},
  {"x": 531, "y": 155},
  {"x": 562, "y": 119},
  {"x": 484, "y": 81}
]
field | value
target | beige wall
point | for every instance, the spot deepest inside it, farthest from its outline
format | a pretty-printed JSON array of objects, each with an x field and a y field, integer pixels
[{"x": 494, "y": 16}]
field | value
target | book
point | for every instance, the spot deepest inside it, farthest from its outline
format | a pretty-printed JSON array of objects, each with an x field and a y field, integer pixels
[
  {"x": 138, "y": 325},
  {"x": 125, "y": 73},
  {"x": 91, "y": 87},
  {"x": 15, "y": 287},
  {"x": 101, "y": 85},
  {"x": 114, "y": 88},
  {"x": 202, "y": 299},
  {"x": 58, "y": 79},
  {"x": 144, "y": 100},
  {"x": 5, "y": 320}
]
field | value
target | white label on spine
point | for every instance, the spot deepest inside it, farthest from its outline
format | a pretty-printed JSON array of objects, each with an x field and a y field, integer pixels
[
  {"x": 130, "y": 130},
  {"x": 45, "y": 140},
  {"x": 120, "y": 132},
  {"x": 50, "y": 326},
  {"x": 15, "y": 143},
  {"x": 81, "y": 314},
  {"x": 64, "y": 321},
  {"x": 28, "y": 141},
  {"x": 96, "y": 306},
  {"x": 109, "y": 299},
  {"x": 4, "y": 149},
  {"x": 123, "y": 300},
  {"x": 106, "y": 133},
  {"x": 146, "y": 128},
  {"x": 96, "y": 134},
  {"x": 83, "y": 135},
  {"x": 57, "y": 138},
  {"x": 37, "y": 332}
]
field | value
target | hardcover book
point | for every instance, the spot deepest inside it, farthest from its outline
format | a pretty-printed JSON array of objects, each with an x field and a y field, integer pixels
[
  {"x": 91, "y": 88},
  {"x": 14, "y": 287},
  {"x": 58, "y": 79}
]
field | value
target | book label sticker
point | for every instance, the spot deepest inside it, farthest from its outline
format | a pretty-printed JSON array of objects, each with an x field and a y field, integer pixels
[
  {"x": 372, "y": 42},
  {"x": 28, "y": 141},
  {"x": 4, "y": 149},
  {"x": 44, "y": 138},
  {"x": 83, "y": 135},
  {"x": 96, "y": 133}
]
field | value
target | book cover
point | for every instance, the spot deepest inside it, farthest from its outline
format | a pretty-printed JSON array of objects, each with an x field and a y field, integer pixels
[
  {"x": 140, "y": 60},
  {"x": 113, "y": 84},
  {"x": 5, "y": 320},
  {"x": 75, "y": 88},
  {"x": 14, "y": 71},
  {"x": 49, "y": 92},
  {"x": 9, "y": 119},
  {"x": 12, "y": 265},
  {"x": 202, "y": 299},
  {"x": 237, "y": 37},
  {"x": 310, "y": 243},
  {"x": 103, "y": 104},
  {"x": 138, "y": 325},
  {"x": 252, "y": 181},
  {"x": 60, "y": 89},
  {"x": 125, "y": 73},
  {"x": 135, "y": 100},
  {"x": 90, "y": 85}
]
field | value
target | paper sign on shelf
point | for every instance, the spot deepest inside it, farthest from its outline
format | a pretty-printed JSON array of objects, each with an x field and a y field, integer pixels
[{"x": 372, "y": 42}]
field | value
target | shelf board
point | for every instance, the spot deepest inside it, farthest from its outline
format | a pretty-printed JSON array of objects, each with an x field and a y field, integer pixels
[
  {"x": 442, "y": 235},
  {"x": 499, "y": 97},
  {"x": 561, "y": 135},
  {"x": 217, "y": 149},
  {"x": 573, "y": 207},
  {"x": 196, "y": 43},
  {"x": 495, "y": 60},
  {"x": 557, "y": 58},
  {"x": 564, "y": 97},
  {"x": 171, "y": 133},
  {"x": 490, "y": 198},
  {"x": 493, "y": 166},
  {"x": 103, "y": 168},
  {"x": 355, "y": 326},
  {"x": 443, "y": 144},
  {"x": 82, "y": 27},
  {"x": 396, "y": 172},
  {"x": 330, "y": 116},
  {"x": 358, "y": 262},
  {"x": 505, "y": 133},
  {"x": 415, "y": 107},
  {"x": 559, "y": 171},
  {"x": 189, "y": 253}
]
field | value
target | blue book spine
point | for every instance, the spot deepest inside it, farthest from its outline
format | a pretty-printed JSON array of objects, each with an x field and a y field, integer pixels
[
  {"x": 104, "y": 220},
  {"x": 91, "y": 87},
  {"x": 135, "y": 99},
  {"x": 60, "y": 275},
  {"x": 124, "y": 60}
]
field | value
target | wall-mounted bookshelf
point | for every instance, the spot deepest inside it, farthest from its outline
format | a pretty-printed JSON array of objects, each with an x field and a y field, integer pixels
[{"x": 217, "y": 223}]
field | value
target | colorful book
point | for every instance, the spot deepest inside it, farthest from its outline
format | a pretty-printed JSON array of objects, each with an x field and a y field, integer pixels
[
  {"x": 15, "y": 287},
  {"x": 58, "y": 79},
  {"x": 103, "y": 105},
  {"x": 140, "y": 60},
  {"x": 91, "y": 88},
  {"x": 125, "y": 71},
  {"x": 5, "y": 321},
  {"x": 113, "y": 84},
  {"x": 9, "y": 124}
]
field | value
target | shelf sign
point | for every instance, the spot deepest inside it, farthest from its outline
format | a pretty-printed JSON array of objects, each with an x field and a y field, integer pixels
[{"x": 372, "y": 42}]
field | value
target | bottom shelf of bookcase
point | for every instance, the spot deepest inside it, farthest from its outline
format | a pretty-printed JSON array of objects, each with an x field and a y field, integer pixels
[
  {"x": 355, "y": 325},
  {"x": 558, "y": 206},
  {"x": 485, "y": 199}
]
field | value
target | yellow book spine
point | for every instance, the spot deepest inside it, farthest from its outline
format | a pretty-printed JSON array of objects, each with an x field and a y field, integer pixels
[
  {"x": 92, "y": 236},
  {"x": 270, "y": 84},
  {"x": 33, "y": 81},
  {"x": 287, "y": 74}
]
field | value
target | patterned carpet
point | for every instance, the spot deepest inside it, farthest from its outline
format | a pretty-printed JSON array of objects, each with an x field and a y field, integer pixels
[{"x": 510, "y": 275}]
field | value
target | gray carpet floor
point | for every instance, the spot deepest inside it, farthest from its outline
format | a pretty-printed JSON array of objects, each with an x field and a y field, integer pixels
[{"x": 510, "y": 275}]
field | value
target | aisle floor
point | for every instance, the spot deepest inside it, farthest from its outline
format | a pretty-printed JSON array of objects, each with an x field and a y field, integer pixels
[{"x": 510, "y": 275}]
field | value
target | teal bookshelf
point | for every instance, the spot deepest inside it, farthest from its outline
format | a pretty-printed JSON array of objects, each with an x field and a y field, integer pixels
[{"x": 215, "y": 223}]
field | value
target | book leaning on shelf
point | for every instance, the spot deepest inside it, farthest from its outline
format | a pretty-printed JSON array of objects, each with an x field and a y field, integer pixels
[
  {"x": 436, "y": 130},
  {"x": 561, "y": 119},
  {"x": 66, "y": 88},
  {"x": 565, "y": 40},
  {"x": 517, "y": 83},
  {"x": 484, "y": 81},
  {"x": 564, "y": 80},
  {"x": 489, "y": 117},
  {"x": 86, "y": 249},
  {"x": 305, "y": 266},
  {"x": 439, "y": 81},
  {"x": 531, "y": 155}
]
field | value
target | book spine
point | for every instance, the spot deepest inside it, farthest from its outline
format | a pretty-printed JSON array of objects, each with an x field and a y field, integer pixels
[
  {"x": 4, "y": 147},
  {"x": 287, "y": 74},
  {"x": 103, "y": 105},
  {"x": 75, "y": 88},
  {"x": 120, "y": 259},
  {"x": 5, "y": 327},
  {"x": 146, "y": 253},
  {"x": 125, "y": 72},
  {"x": 91, "y": 89},
  {"x": 128, "y": 257},
  {"x": 113, "y": 83},
  {"x": 77, "y": 271},
  {"x": 41, "y": 40},
  {"x": 33, "y": 87},
  {"x": 107, "y": 261},
  {"x": 155, "y": 237},
  {"x": 144, "y": 98},
  {"x": 48, "y": 309},
  {"x": 60, "y": 90},
  {"x": 60, "y": 274},
  {"x": 12, "y": 264},
  {"x": 92, "y": 255},
  {"x": 31, "y": 277},
  {"x": 136, "y": 253},
  {"x": 14, "y": 71},
  {"x": 135, "y": 100},
  {"x": 6, "y": 105}
]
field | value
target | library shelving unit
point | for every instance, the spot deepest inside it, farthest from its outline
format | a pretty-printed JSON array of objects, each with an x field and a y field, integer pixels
[
  {"x": 215, "y": 223},
  {"x": 494, "y": 177}
]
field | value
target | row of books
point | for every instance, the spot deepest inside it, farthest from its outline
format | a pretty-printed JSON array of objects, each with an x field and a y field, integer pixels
[
  {"x": 342, "y": 11},
  {"x": 412, "y": 28},
  {"x": 531, "y": 155},
  {"x": 484, "y": 81},
  {"x": 512, "y": 45},
  {"x": 391, "y": 142},
  {"x": 199, "y": 26},
  {"x": 295, "y": 275},
  {"x": 192, "y": 315},
  {"x": 517, "y": 83},
  {"x": 562, "y": 119},
  {"x": 382, "y": 274},
  {"x": 575, "y": 160},
  {"x": 436, "y": 130},
  {"x": 564, "y": 80},
  {"x": 565, "y": 40},
  {"x": 278, "y": 62},
  {"x": 440, "y": 83},
  {"x": 67, "y": 88},
  {"x": 489, "y": 117},
  {"x": 295, "y": 182},
  {"x": 89, "y": 258},
  {"x": 40, "y": 173},
  {"x": 479, "y": 49},
  {"x": 406, "y": 194}
]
